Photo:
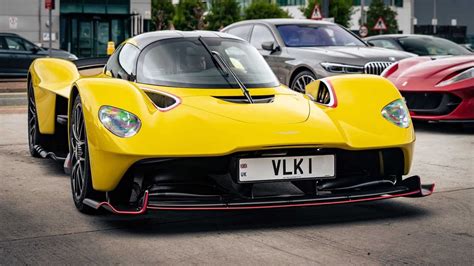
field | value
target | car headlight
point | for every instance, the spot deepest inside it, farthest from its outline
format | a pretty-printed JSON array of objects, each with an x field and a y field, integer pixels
[
  {"x": 342, "y": 68},
  {"x": 120, "y": 122},
  {"x": 467, "y": 74},
  {"x": 397, "y": 113}
]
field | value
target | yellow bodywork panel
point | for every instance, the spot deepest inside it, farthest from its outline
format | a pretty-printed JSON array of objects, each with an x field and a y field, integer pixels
[
  {"x": 204, "y": 124},
  {"x": 50, "y": 77}
]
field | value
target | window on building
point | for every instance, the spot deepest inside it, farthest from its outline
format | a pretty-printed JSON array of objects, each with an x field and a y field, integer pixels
[
  {"x": 291, "y": 2},
  {"x": 95, "y": 6},
  {"x": 397, "y": 3}
]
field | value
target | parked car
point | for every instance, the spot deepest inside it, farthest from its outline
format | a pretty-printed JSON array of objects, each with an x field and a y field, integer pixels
[
  {"x": 418, "y": 44},
  {"x": 198, "y": 121},
  {"x": 17, "y": 53},
  {"x": 436, "y": 89},
  {"x": 300, "y": 51}
]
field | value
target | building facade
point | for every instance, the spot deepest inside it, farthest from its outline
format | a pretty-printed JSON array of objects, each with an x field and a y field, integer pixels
[{"x": 82, "y": 27}]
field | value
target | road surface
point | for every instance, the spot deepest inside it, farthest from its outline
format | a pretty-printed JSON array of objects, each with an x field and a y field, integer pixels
[{"x": 39, "y": 224}]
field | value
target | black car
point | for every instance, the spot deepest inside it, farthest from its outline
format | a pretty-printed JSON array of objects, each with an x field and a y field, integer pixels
[
  {"x": 418, "y": 44},
  {"x": 17, "y": 53}
]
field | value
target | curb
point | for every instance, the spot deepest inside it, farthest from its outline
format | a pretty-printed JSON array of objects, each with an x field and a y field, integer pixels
[{"x": 12, "y": 85}]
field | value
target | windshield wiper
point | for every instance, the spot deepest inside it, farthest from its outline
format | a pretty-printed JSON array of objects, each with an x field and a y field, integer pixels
[{"x": 222, "y": 64}]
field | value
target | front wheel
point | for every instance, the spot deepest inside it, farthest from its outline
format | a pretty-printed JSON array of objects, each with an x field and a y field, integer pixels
[
  {"x": 301, "y": 80},
  {"x": 33, "y": 131},
  {"x": 81, "y": 180}
]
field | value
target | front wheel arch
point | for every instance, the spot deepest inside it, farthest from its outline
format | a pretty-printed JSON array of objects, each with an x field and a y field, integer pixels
[{"x": 298, "y": 71}]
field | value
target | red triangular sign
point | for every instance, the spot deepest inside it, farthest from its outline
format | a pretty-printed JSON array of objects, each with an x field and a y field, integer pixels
[
  {"x": 380, "y": 25},
  {"x": 316, "y": 13}
]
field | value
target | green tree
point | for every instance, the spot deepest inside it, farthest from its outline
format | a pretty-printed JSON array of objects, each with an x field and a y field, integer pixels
[
  {"x": 162, "y": 14},
  {"x": 308, "y": 9},
  {"x": 189, "y": 15},
  {"x": 340, "y": 10},
  {"x": 259, "y": 9},
  {"x": 222, "y": 13},
  {"x": 378, "y": 9}
]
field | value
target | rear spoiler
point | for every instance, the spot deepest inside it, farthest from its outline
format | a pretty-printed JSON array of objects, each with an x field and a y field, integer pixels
[{"x": 88, "y": 63}]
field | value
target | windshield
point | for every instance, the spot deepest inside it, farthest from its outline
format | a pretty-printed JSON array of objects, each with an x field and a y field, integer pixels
[
  {"x": 317, "y": 35},
  {"x": 186, "y": 63},
  {"x": 431, "y": 46}
]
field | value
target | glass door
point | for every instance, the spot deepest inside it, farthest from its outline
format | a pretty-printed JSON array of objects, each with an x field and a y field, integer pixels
[
  {"x": 102, "y": 36},
  {"x": 85, "y": 39}
]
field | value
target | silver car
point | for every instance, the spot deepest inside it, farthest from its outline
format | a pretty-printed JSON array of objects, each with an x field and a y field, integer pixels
[{"x": 300, "y": 51}]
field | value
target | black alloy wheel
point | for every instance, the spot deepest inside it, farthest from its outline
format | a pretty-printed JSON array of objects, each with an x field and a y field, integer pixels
[
  {"x": 34, "y": 135},
  {"x": 81, "y": 181}
]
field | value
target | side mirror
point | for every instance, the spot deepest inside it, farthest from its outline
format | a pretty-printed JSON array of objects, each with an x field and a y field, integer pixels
[
  {"x": 270, "y": 46},
  {"x": 35, "y": 49}
]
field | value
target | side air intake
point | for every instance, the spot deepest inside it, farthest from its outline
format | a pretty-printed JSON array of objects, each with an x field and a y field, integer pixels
[
  {"x": 163, "y": 101},
  {"x": 324, "y": 96}
]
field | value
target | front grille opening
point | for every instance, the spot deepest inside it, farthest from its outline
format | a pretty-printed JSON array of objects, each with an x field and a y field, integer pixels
[
  {"x": 161, "y": 100},
  {"x": 376, "y": 68},
  {"x": 431, "y": 103},
  {"x": 212, "y": 180},
  {"x": 243, "y": 99},
  {"x": 323, "y": 97}
]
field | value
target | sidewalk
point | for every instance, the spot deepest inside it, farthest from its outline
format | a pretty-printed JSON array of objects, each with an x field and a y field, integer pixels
[{"x": 13, "y": 92}]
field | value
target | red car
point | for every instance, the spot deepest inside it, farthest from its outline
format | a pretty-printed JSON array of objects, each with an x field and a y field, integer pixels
[{"x": 436, "y": 89}]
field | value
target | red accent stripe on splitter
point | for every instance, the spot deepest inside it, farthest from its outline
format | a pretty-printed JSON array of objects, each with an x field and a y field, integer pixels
[
  {"x": 142, "y": 210},
  {"x": 284, "y": 205}
]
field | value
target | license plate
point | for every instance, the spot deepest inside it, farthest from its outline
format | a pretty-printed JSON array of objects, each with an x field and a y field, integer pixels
[{"x": 286, "y": 168}]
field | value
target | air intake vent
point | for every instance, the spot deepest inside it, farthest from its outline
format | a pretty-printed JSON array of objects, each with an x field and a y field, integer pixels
[
  {"x": 163, "y": 101},
  {"x": 324, "y": 96},
  {"x": 243, "y": 99},
  {"x": 376, "y": 68}
]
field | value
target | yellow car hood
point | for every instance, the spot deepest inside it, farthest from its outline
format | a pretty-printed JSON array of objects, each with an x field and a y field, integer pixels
[{"x": 290, "y": 109}]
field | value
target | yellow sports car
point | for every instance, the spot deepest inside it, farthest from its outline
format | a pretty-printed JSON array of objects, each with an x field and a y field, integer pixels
[{"x": 197, "y": 121}]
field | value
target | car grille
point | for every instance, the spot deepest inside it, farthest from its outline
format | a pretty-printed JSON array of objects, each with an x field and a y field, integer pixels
[
  {"x": 376, "y": 68},
  {"x": 431, "y": 103}
]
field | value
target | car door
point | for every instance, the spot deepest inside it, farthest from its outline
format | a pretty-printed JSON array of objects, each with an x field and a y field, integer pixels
[
  {"x": 19, "y": 57},
  {"x": 4, "y": 57},
  {"x": 261, "y": 34},
  {"x": 32, "y": 51}
]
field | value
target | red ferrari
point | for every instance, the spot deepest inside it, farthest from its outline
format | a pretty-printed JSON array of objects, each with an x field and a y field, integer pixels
[{"x": 436, "y": 89}]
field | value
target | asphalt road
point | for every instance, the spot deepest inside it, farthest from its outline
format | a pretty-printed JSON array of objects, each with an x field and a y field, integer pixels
[{"x": 39, "y": 224}]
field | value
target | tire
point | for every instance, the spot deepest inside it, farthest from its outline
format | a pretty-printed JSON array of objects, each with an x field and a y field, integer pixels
[
  {"x": 34, "y": 136},
  {"x": 301, "y": 80},
  {"x": 81, "y": 179}
]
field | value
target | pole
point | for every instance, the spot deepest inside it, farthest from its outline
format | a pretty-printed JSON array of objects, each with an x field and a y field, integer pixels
[
  {"x": 39, "y": 23},
  {"x": 50, "y": 32},
  {"x": 325, "y": 8},
  {"x": 412, "y": 16},
  {"x": 362, "y": 12},
  {"x": 434, "y": 16}
]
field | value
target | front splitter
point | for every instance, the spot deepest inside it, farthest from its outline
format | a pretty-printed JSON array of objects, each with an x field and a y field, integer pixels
[{"x": 409, "y": 187}]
